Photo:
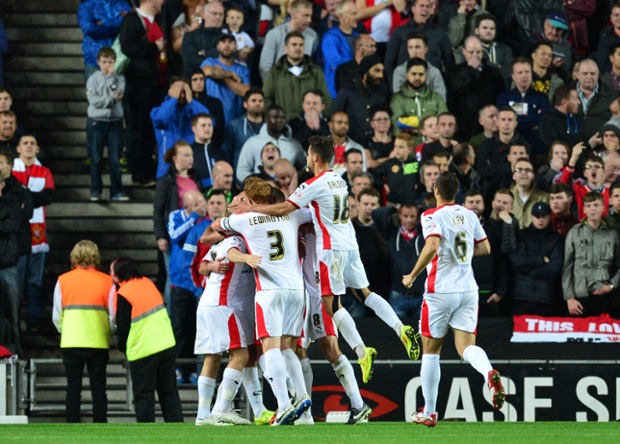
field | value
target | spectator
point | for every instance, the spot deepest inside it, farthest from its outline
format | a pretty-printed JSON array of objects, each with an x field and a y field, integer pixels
[
  {"x": 4, "y": 46},
  {"x": 205, "y": 154},
  {"x": 380, "y": 19},
  {"x": 104, "y": 91},
  {"x": 286, "y": 176},
  {"x": 462, "y": 25},
  {"x": 273, "y": 48},
  {"x": 399, "y": 175},
  {"x": 415, "y": 98},
  {"x": 429, "y": 172},
  {"x": 442, "y": 160},
  {"x": 544, "y": 78},
  {"x": 9, "y": 137},
  {"x": 430, "y": 134},
  {"x": 293, "y": 75},
  {"x": 591, "y": 262},
  {"x": 15, "y": 209},
  {"x": 417, "y": 47},
  {"x": 202, "y": 43},
  {"x": 311, "y": 122},
  {"x": 223, "y": 176},
  {"x": 592, "y": 180},
  {"x": 563, "y": 122},
  {"x": 610, "y": 134},
  {"x": 38, "y": 179},
  {"x": 145, "y": 336},
  {"x": 268, "y": 156},
  {"x": 487, "y": 118},
  {"x": 595, "y": 97},
  {"x": 353, "y": 164},
  {"x": 242, "y": 128},
  {"x": 356, "y": 102},
  {"x": 339, "y": 128},
  {"x": 183, "y": 292},
  {"x": 83, "y": 313},
  {"x": 329, "y": 19},
  {"x": 610, "y": 36},
  {"x": 348, "y": 73},
  {"x": 172, "y": 120},
  {"x": 360, "y": 181},
  {"x": 526, "y": 195},
  {"x": 560, "y": 201},
  {"x": 380, "y": 144},
  {"x": 100, "y": 22},
  {"x": 537, "y": 263},
  {"x": 446, "y": 127},
  {"x": 245, "y": 45},
  {"x": 227, "y": 80},
  {"x": 145, "y": 75},
  {"x": 529, "y": 104},
  {"x": 613, "y": 218},
  {"x": 577, "y": 13},
  {"x": 612, "y": 78},
  {"x": 275, "y": 131},
  {"x": 462, "y": 165},
  {"x": 496, "y": 54},
  {"x": 472, "y": 85},
  {"x": 554, "y": 26},
  {"x": 189, "y": 20},
  {"x": 556, "y": 161},
  {"x": 614, "y": 107},
  {"x": 213, "y": 104},
  {"x": 6, "y": 101},
  {"x": 440, "y": 50}
]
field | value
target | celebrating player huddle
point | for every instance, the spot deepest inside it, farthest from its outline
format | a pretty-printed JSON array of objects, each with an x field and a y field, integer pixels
[{"x": 262, "y": 235}]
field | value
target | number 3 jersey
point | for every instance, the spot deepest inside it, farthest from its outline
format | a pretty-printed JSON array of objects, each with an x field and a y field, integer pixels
[
  {"x": 328, "y": 197},
  {"x": 459, "y": 230},
  {"x": 274, "y": 239}
]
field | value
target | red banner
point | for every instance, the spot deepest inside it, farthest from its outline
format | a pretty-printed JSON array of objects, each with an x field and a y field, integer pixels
[{"x": 539, "y": 329}]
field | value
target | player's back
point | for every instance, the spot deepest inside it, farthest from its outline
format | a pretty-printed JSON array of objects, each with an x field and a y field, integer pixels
[
  {"x": 328, "y": 198},
  {"x": 274, "y": 238},
  {"x": 459, "y": 230}
]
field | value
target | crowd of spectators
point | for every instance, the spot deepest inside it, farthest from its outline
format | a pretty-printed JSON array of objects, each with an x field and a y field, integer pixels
[{"x": 510, "y": 95}]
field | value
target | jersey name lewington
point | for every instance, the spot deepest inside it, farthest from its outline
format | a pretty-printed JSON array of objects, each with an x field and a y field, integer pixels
[{"x": 256, "y": 220}]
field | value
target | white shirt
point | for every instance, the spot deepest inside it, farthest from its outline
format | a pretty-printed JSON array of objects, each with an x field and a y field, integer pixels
[
  {"x": 274, "y": 239},
  {"x": 458, "y": 229},
  {"x": 328, "y": 197},
  {"x": 236, "y": 284}
]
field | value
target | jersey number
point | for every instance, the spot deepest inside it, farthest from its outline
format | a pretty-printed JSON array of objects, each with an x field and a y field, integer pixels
[
  {"x": 277, "y": 245},
  {"x": 341, "y": 209},
  {"x": 460, "y": 246}
]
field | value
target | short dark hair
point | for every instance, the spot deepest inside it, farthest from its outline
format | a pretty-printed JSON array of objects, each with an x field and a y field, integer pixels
[
  {"x": 273, "y": 107},
  {"x": 558, "y": 188},
  {"x": 447, "y": 185},
  {"x": 418, "y": 36},
  {"x": 9, "y": 157},
  {"x": 347, "y": 153},
  {"x": 416, "y": 61},
  {"x": 506, "y": 109},
  {"x": 614, "y": 186},
  {"x": 277, "y": 196},
  {"x": 473, "y": 192},
  {"x": 197, "y": 71},
  {"x": 460, "y": 153},
  {"x": 322, "y": 147},
  {"x": 593, "y": 196},
  {"x": 365, "y": 174},
  {"x": 539, "y": 44},
  {"x": 562, "y": 93},
  {"x": 520, "y": 59},
  {"x": 216, "y": 192},
  {"x": 368, "y": 192},
  {"x": 315, "y": 91},
  {"x": 505, "y": 192},
  {"x": 613, "y": 48},
  {"x": 250, "y": 92},
  {"x": 125, "y": 269},
  {"x": 483, "y": 17},
  {"x": 107, "y": 52},
  {"x": 596, "y": 159},
  {"x": 293, "y": 34},
  {"x": 199, "y": 116},
  {"x": 379, "y": 107}
]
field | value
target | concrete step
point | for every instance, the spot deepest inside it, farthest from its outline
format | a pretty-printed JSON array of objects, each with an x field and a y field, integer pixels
[
  {"x": 48, "y": 153},
  {"x": 34, "y": 19},
  {"x": 95, "y": 225},
  {"x": 61, "y": 137},
  {"x": 47, "y": 63},
  {"x": 44, "y": 79},
  {"x": 47, "y": 93},
  {"x": 110, "y": 240},
  {"x": 83, "y": 180},
  {"x": 61, "y": 253},
  {"x": 56, "y": 121},
  {"x": 67, "y": 108},
  {"x": 59, "y": 34},
  {"x": 122, "y": 210},
  {"x": 40, "y": 6},
  {"x": 47, "y": 49},
  {"x": 73, "y": 194},
  {"x": 148, "y": 268}
]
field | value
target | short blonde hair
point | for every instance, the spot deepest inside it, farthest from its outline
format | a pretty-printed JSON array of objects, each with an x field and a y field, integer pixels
[{"x": 85, "y": 254}]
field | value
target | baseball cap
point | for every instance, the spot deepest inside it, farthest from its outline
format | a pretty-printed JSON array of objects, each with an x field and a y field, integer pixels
[
  {"x": 558, "y": 20},
  {"x": 541, "y": 209},
  {"x": 226, "y": 37}
]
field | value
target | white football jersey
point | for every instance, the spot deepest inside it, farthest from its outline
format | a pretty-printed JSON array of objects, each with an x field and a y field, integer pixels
[
  {"x": 459, "y": 229},
  {"x": 274, "y": 239},
  {"x": 231, "y": 287},
  {"x": 328, "y": 198}
]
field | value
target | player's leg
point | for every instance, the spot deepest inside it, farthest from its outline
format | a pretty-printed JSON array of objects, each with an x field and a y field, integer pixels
[
  {"x": 253, "y": 388},
  {"x": 231, "y": 379},
  {"x": 206, "y": 386}
]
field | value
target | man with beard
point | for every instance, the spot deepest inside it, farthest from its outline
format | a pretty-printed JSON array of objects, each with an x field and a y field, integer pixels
[
  {"x": 227, "y": 79},
  {"x": 370, "y": 90},
  {"x": 172, "y": 120},
  {"x": 497, "y": 55},
  {"x": 9, "y": 139},
  {"x": 562, "y": 122},
  {"x": 197, "y": 85},
  {"x": 415, "y": 98},
  {"x": 472, "y": 85},
  {"x": 339, "y": 126},
  {"x": 293, "y": 75}
]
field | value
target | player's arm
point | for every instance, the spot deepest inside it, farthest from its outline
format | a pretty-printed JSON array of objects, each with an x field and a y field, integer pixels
[
  {"x": 428, "y": 253},
  {"x": 482, "y": 248},
  {"x": 211, "y": 236},
  {"x": 280, "y": 209},
  {"x": 234, "y": 255}
]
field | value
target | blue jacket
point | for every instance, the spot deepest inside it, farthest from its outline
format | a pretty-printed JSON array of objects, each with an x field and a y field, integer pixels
[
  {"x": 108, "y": 12},
  {"x": 4, "y": 46},
  {"x": 179, "y": 226},
  {"x": 336, "y": 51},
  {"x": 190, "y": 247},
  {"x": 172, "y": 123}
]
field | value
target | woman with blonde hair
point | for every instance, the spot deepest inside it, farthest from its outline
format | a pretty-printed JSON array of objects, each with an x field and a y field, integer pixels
[{"x": 83, "y": 313}]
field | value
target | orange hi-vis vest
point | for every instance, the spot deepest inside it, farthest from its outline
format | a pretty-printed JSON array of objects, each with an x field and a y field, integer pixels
[
  {"x": 151, "y": 330},
  {"x": 85, "y": 295}
]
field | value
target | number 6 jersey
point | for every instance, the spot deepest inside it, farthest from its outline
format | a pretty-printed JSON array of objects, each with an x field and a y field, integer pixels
[
  {"x": 328, "y": 197},
  {"x": 459, "y": 229}
]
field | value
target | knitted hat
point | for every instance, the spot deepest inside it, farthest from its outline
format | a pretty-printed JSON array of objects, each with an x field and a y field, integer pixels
[
  {"x": 612, "y": 124},
  {"x": 368, "y": 62}
]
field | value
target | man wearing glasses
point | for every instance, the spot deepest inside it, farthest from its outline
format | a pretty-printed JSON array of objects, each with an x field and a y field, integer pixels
[
  {"x": 202, "y": 43},
  {"x": 526, "y": 195}
]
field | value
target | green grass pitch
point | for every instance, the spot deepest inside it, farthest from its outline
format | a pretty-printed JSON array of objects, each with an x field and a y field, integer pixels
[{"x": 372, "y": 433}]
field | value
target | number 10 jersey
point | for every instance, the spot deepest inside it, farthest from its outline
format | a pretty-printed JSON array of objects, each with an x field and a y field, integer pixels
[{"x": 328, "y": 197}]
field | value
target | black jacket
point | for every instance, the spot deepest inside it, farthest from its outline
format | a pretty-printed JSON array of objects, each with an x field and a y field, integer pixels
[
  {"x": 401, "y": 178},
  {"x": 374, "y": 254},
  {"x": 556, "y": 125},
  {"x": 536, "y": 280},
  {"x": 15, "y": 212},
  {"x": 197, "y": 46},
  {"x": 167, "y": 200},
  {"x": 201, "y": 164},
  {"x": 302, "y": 132},
  {"x": 598, "y": 110},
  {"x": 214, "y": 105},
  {"x": 142, "y": 68}
]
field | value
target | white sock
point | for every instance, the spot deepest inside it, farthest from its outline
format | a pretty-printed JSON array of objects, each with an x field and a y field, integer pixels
[
  {"x": 253, "y": 390},
  {"x": 478, "y": 359},
  {"x": 231, "y": 379},
  {"x": 206, "y": 388},
  {"x": 295, "y": 372},
  {"x": 261, "y": 363},
  {"x": 346, "y": 376},
  {"x": 308, "y": 375},
  {"x": 430, "y": 373},
  {"x": 276, "y": 375},
  {"x": 346, "y": 325},
  {"x": 384, "y": 310}
]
